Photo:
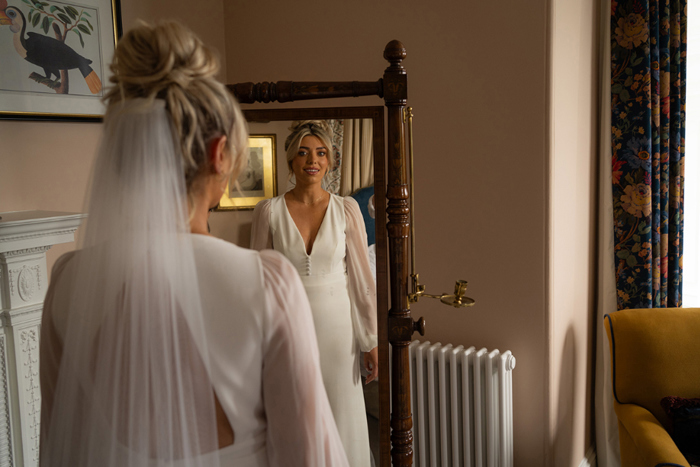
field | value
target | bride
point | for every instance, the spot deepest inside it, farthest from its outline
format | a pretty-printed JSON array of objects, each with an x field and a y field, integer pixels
[
  {"x": 161, "y": 345},
  {"x": 323, "y": 235}
]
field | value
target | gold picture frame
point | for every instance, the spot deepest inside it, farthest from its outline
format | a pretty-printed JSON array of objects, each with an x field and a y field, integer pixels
[{"x": 258, "y": 179}]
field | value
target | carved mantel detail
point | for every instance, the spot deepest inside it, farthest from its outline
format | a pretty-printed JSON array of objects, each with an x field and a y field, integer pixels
[
  {"x": 29, "y": 345},
  {"x": 27, "y": 251},
  {"x": 5, "y": 427},
  {"x": 38, "y": 235},
  {"x": 25, "y": 237},
  {"x": 28, "y": 280}
]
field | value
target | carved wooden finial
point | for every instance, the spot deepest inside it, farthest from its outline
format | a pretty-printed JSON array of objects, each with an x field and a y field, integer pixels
[{"x": 395, "y": 52}]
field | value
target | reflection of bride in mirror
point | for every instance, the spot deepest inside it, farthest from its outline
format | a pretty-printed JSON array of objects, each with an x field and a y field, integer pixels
[
  {"x": 161, "y": 345},
  {"x": 324, "y": 237}
]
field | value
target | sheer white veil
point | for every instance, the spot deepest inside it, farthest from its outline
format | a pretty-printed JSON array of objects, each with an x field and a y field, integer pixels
[{"x": 133, "y": 386}]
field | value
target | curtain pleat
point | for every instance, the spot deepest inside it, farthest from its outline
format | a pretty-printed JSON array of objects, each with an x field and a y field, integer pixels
[
  {"x": 641, "y": 191},
  {"x": 358, "y": 158},
  {"x": 367, "y": 159},
  {"x": 648, "y": 40},
  {"x": 606, "y": 435}
]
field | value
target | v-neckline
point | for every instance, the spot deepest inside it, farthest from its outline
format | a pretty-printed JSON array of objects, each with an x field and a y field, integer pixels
[{"x": 296, "y": 228}]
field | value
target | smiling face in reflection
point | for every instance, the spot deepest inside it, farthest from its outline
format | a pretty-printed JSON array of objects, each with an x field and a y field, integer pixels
[{"x": 311, "y": 162}]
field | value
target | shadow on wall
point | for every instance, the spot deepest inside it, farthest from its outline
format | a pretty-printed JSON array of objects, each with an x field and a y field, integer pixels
[{"x": 562, "y": 447}]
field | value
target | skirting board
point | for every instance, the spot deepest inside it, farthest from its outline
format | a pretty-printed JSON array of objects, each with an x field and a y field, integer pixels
[{"x": 590, "y": 459}]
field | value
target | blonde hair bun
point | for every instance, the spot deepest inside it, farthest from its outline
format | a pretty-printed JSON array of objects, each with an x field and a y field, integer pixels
[
  {"x": 150, "y": 58},
  {"x": 168, "y": 61}
]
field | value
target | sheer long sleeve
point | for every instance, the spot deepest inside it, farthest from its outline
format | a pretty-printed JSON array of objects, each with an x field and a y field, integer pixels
[
  {"x": 301, "y": 428},
  {"x": 260, "y": 235},
  {"x": 361, "y": 285}
]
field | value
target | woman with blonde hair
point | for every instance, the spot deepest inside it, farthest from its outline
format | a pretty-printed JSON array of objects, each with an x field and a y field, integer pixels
[
  {"x": 324, "y": 237},
  {"x": 161, "y": 345}
]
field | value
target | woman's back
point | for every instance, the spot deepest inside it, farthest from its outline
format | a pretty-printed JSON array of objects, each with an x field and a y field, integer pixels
[
  {"x": 236, "y": 318},
  {"x": 153, "y": 329},
  {"x": 263, "y": 363}
]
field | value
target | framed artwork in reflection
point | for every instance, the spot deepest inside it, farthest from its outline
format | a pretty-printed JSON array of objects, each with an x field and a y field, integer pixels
[
  {"x": 55, "y": 58},
  {"x": 258, "y": 179}
]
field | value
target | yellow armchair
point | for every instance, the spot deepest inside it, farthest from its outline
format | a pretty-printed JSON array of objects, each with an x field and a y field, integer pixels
[{"x": 654, "y": 353}]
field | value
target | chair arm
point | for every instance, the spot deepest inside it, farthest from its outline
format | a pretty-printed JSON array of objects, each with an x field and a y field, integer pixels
[{"x": 651, "y": 439}]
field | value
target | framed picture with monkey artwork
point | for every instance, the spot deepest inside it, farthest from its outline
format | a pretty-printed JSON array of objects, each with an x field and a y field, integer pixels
[{"x": 55, "y": 56}]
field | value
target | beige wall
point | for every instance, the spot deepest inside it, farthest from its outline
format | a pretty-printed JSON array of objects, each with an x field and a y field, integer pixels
[
  {"x": 204, "y": 17},
  {"x": 493, "y": 203},
  {"x": 478, "y": 84},
  {"x": 503, "y": 125},
  {"x": 46, "y": 166},
  {"x": 573, "y": 142}
]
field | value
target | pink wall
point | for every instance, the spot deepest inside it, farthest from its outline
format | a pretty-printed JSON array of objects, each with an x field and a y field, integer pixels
[
  {"x": 495, "y": 173},
  {"x": 498, "y": 132},
  {"x": 572, "y": 175},
  {"x": 204, "y": 17},
  {"x": 46, "y": 166},
  {"x": 478, "y": 84}
]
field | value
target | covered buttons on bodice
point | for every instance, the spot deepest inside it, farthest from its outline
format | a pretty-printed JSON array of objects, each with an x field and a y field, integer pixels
[
  {"x": 338, "y": 263},
  {"x": 328, "y": 251}
]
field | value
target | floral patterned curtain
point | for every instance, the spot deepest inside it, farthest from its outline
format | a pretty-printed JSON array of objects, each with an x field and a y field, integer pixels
[{"x": 648, "y": 60}]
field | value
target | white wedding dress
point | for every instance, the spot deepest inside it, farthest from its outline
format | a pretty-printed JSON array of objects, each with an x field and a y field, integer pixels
[
  {"x": 339, "y": 284},
  {"x": 263, "y": 367}
]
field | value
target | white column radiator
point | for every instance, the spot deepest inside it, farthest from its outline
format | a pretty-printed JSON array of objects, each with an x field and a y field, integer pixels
[{"x": 462, "y": 405}]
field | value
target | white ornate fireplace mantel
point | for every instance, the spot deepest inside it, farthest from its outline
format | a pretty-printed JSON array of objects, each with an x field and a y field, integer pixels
[{"x": 25, "y": 236}]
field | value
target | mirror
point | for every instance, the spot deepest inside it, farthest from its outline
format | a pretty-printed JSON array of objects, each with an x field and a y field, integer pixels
[
  {"x": 395, "y": 325},
  {"x": 276, "y": 122}
]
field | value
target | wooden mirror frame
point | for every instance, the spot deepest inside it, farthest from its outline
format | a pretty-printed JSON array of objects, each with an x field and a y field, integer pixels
[{"x": 398, "y": 327}]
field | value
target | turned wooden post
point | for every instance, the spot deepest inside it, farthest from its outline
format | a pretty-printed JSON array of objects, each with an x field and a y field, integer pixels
[{"x": 400, "y": 322}]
